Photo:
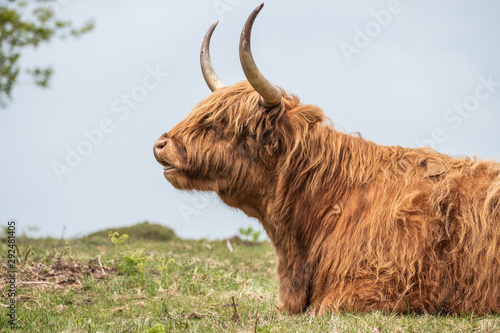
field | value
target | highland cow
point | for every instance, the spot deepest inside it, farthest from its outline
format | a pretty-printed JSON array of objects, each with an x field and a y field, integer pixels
[{"x": 356, "y": 226}]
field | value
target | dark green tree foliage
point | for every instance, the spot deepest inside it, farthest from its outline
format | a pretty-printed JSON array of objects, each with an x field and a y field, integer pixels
[{"x": 26, "y": 24}]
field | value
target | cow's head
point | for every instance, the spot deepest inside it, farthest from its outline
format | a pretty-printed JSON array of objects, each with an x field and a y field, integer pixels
[{"x": 237, "y": 138}]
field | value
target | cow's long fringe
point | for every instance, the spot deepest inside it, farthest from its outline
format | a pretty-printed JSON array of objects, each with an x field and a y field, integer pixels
[{"x": 357, "y": 226}]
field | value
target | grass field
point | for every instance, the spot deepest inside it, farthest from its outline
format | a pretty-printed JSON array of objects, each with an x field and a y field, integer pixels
[{"x": 156, "y": 282}]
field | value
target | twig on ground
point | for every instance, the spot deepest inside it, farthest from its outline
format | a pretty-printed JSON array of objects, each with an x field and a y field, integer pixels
[
  {"x": 100, "y": 265},
  {"x": 26, "y": 255},
  {"x": 194, "y": 274},
  {"x": 256, "y": 321},
  {"x": 236, "y": 316},
  {"x": 18, "y": 253},
  {"x": 79, "y": 282}
]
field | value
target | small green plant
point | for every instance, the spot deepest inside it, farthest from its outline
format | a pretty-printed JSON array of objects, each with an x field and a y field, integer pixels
[
  {"x": 165, "y": 263},
  {"x": 117, "y": 239},
  {"x": 133, "y": 263},
  {"x": 68, "y": 248},
  {"x": 164, "y": 267},
  {"x": 249, "y": 234},
  {"x": 158, "y": 328}
]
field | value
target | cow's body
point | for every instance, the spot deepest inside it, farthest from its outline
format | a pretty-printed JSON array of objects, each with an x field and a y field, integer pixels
[{"x": 356, "y": 226}]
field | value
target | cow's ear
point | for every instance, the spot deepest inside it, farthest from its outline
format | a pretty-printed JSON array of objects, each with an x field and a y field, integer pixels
[
  {"x": 298, "y": 122},
  {"x": 306, "y": 116},
  {"x": 290, "y": 126},
  {"x": 434, "y": 168}
]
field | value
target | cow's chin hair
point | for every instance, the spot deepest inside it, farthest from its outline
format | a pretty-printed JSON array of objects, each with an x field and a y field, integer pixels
[{"x": 181, "y": 181}]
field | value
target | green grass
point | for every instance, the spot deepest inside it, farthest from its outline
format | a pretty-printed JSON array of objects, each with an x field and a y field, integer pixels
[{"x": 175, "y": 285}]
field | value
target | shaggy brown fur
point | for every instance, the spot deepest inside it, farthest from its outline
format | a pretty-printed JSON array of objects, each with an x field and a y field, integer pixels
[{"x": 356, "y": 226}]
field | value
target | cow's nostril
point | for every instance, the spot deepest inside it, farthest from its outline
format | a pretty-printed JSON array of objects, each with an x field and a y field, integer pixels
[{"x": 160, "y": 144}]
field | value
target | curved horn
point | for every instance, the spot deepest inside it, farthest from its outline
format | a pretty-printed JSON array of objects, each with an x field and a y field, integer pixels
[
  {"x": 207, "y": 69},
  {"x": 270, "y": 94}
]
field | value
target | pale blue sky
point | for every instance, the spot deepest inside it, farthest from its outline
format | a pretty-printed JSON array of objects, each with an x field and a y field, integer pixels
[{"x": 399, "y": 87}]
